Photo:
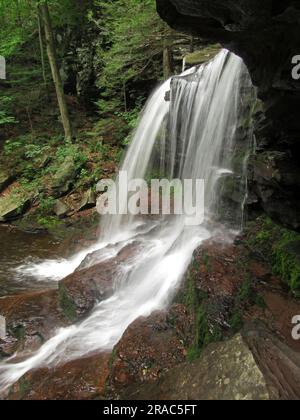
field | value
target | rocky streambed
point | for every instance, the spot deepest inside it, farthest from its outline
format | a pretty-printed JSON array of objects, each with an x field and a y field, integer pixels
[{"x": 227, "y": 335}]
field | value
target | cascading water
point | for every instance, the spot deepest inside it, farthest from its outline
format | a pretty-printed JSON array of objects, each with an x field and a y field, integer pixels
[{"x": 195, "y": 136}]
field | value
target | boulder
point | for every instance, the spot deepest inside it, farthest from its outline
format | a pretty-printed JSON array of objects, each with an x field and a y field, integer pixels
[
  {"x": 86, "y": 287},
  {"x": 64, "y": 177},
  {"x": 61, "y": 209},
  {"x": 278, "y": 362},
  {"x": 88, "y": 201},
  {"x": 225, "y": 371},
  {"x": 13, "y": 206}
]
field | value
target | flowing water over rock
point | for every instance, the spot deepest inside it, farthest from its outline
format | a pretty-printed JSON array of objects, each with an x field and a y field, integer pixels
[{"x": 196, "y": 135}]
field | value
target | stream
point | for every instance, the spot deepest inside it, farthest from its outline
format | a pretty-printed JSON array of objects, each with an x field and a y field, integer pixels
[{"x": 18, "y": 249}]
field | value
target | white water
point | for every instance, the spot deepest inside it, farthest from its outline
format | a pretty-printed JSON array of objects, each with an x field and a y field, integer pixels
[{"x": 201, "y": 138}]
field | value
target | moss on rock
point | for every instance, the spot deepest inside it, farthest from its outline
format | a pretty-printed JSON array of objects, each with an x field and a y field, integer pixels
[
  {"x": 67, "y": 304},
  {"x": 281, "y": 247}
]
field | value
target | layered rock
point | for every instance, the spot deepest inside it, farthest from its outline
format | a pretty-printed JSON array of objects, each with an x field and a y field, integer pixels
[
  {"x": 225, "y": 371},
  {"x": 82, "y": 379},
  {"x": 265, "y": 35}
]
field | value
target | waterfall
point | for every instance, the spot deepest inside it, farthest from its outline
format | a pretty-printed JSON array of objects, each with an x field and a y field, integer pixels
[{"x": 195, "y": 135}]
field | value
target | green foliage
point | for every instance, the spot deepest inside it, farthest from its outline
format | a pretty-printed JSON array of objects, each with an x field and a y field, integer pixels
[
  {"x": 281, "y": 247},
  {"x": 5, "y": 110},
  {"x": 46, "y": 205},
  {"x": 205, "y": 332},
  {"x": 132, "y": 48},
  {"x": 34, "y": 151}
]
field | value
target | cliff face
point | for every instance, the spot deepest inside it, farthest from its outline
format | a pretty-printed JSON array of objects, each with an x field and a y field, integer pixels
[{"x": 266, "y": 35}]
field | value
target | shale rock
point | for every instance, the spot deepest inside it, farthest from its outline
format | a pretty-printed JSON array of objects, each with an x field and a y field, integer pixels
[
  {"x": 31, "y": 320},
  {"x": 225, "y": 371},
  {"x": 149, "y": 347},
  {"x": 76, "y": 380}
]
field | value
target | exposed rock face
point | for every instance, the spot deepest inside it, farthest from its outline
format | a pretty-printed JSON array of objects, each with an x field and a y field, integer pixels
[
  {"x": 12, "y": 205},
  {"x": 279, "y": 364},
  {"x": 266, "y": 35},
  {"x": 149, "y": 347},
  {"x": 31, "y": 320},
  {"x": 77, "y": 380},
  {"x": 225, "y": 371}
]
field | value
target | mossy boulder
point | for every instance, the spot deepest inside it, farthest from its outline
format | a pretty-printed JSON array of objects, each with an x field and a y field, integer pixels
[
  {"x": 64, "y": 177},
  {"x": 13, "y": 206}
]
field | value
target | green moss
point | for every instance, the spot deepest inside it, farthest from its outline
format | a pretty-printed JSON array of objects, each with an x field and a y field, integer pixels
[
  {"x": 19, "y": 333},
  {"x": 67, "y": 304},
  {"x": 236, "y": 321},
  {"x": 49, "y": 222},
  {"x": 205, "y": 333},
  {"x": 281, "y": 247},
  {"x": 112, "y": 358},
  {"x": 24, "y": 387},
  {"x": 245, "y": 298},
  {"x": 202, "y": 56}
]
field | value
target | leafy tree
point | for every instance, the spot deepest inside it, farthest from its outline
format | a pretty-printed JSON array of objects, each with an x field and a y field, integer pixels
[{"x": 134, "y": 41}]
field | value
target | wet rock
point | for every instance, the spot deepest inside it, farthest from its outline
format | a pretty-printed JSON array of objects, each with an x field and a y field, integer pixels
[
  {"x": 149, "y": 347},
  {"x": 86, "y": 287},
  {"x": 125, "y": 254},
  {"x": 82, "y": 290},
  {"x": 82, "y": 379},
  {"x": 225, "y": 371},
  {"x": 64, "y": 177},
  {"x": 279, "y": 364},
  {"x": 61, "y": 209},
  {"x": 31, "y": 320},
  {"x": 88, "y": 201}
]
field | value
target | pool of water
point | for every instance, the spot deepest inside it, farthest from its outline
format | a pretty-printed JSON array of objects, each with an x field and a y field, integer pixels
[{"x": 18, "y": 248}]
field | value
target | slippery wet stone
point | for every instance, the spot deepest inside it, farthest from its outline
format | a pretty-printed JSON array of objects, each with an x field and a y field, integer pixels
[
  {"x": 225, "y": 371},
  {"x": 80, "y": 379}
]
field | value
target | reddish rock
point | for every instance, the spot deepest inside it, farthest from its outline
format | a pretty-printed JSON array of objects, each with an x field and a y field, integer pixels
[
  {"x": 217, "y": 269},
  {"x": 83, "y": 289},
  {"x": 149, "y": 347},
  {"x": 83, "y": 379},
  {"x": 278, "y": 313},
  {"x": 224, "y": 371},
  {"x": 277, "y": 361},
  {"x": 31, "y": 319}
]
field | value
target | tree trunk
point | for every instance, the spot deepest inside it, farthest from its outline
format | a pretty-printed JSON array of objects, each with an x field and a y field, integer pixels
[
  {"x": 42, "y": 49},
  {"x": 51, "y": 52},
  {"x": 167, "y": 61}
]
